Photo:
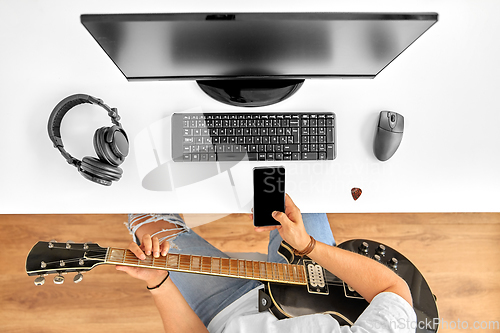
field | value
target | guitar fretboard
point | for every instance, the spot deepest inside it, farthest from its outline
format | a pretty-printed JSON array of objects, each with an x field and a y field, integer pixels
[{"x": 238, "y": 268}]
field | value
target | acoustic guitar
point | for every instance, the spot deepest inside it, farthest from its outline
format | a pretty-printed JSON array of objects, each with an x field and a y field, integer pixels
[{"x": 300, "y": 287}]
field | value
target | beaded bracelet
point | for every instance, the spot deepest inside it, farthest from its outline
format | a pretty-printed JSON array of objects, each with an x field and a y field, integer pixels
[{"x": 157, "y": 286}]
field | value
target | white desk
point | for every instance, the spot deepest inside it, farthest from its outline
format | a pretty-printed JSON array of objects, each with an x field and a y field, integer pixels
[{"x": 445, "y": 85}]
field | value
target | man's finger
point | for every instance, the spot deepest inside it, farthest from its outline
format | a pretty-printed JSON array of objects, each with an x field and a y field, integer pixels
[
  {"x": 156, "y": 247},
  {"x": 267, "y": 228},
  {"x": 147, "y": 244},
  {"x": 137, "y": 251},
  {"x": 165, "y": 247},
  {"x": 281, "y": 218},
  {"x": 291, "y": 209}
]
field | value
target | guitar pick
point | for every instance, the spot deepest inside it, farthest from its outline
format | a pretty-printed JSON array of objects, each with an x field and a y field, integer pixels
[{"x": 356, "y": 193}]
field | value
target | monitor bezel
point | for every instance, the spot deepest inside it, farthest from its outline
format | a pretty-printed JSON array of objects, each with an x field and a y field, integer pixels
[{"x": 202, "y": 16}]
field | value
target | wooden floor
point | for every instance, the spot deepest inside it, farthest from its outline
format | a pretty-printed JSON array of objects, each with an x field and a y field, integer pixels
[{"x": 459, "y": 255}]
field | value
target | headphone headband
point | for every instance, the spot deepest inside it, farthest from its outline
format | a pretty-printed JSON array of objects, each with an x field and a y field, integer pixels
[{"x": 60, "y": 110}]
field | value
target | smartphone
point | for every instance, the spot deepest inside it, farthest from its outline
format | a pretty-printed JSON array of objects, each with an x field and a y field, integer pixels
[{"x": 268, "y": 194}]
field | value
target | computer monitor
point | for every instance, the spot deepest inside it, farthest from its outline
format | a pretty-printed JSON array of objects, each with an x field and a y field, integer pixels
[{"x": 254, "y": 59}]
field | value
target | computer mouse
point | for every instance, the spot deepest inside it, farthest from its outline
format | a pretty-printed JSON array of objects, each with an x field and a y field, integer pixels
[{"x": 389, "y": 134}]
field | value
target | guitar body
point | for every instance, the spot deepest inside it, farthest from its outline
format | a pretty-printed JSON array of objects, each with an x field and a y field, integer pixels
[{"x": 346, "y": 305}]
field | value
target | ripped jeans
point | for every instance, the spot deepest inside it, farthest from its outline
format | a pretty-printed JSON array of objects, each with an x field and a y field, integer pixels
[{"x": 208, "y": 295}]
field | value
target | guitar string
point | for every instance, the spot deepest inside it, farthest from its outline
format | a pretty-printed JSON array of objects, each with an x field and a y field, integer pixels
[{"x": 133, "y": 261}]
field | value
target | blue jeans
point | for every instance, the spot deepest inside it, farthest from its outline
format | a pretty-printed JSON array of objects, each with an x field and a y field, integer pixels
[{"x": 208, "y": 295}]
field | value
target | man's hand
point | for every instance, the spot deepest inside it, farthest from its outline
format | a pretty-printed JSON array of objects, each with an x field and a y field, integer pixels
[
  {"x": 292, "y": 228},
  {"x": 148, "y": 246}
]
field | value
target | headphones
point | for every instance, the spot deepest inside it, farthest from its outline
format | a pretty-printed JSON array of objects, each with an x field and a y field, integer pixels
[{"x": 110, "y": 143}]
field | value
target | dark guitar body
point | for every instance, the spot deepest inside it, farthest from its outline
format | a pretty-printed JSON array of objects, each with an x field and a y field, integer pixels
[{"x": 345, "y": 305}]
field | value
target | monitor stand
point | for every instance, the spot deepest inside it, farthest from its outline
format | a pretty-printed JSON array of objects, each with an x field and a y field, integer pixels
[{"x": 250, "y": 92}]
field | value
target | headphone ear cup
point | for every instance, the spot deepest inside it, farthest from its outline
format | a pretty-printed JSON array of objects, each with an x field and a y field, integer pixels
[
  {"x": 99, "y": 172},
  {"x": 103, "y": 149},
  {"x": 118, "y": 141}
]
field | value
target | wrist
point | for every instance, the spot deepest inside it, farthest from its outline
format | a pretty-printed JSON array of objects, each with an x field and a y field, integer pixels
[
  {"x": 304, "y": 242},
  {"x": 157, "y": 281},
  {"x": 308, "y": 248}
]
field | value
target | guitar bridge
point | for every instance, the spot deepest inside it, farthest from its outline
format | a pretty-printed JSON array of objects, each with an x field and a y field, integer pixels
[{"x": 316, "y": 278}]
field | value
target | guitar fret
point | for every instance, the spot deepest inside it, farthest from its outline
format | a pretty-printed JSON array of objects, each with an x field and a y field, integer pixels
[
  {"x": 196, "y": 263},
  {"x": 173, "y": 261},
  {"x": 215, "y": 267},
  {"x": 206, "y": 264},
  {"x": 233, "y": 267},
  {"x": 241, "y": 268},
  {"x": 250, "y": 269},
  {"x": 263, "y": 268},
  {"x": 225, "y": 266},
  {"x": 269, "y": 270},
  {"x": 184, "y": 262},
  {"x": 255, "y": 269}
]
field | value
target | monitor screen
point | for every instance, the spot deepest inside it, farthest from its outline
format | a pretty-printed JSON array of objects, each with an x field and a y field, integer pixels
[{"x": 255, "y": 45}]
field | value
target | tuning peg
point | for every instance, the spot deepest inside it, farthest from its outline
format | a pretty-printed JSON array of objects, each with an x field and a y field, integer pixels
[
  {"x": 68, "y": 244},
  {"x": 51, "y": 243},
  {"x": 39, "y": 281},
  {"x": 78, "y": 277},
  {"x": 58, "y": 279}
]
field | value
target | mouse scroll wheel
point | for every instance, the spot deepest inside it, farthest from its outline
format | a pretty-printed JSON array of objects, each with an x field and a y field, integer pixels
[{"x": 392, "y": 121}]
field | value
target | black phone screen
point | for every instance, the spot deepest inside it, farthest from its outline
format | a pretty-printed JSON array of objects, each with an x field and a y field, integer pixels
[{"x": 268, "y": 194}]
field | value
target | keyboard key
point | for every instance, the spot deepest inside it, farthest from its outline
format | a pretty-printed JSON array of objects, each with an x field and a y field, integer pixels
[
  {"x": 252, "y": 156},
  {"x": 291, "y": 148},
  {"x": 230, "y": 156},
  {"x": 329, "y": 135},
  {"x": 329, "y": 152},
  {"x": 309, "y": 156}
]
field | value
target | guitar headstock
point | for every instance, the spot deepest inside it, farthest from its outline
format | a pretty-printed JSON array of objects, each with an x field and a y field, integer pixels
[{"x": 60, "y": 258}]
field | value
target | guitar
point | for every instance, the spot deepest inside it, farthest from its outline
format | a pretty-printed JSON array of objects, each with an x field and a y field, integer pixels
[{"x": 297, "y": 288}]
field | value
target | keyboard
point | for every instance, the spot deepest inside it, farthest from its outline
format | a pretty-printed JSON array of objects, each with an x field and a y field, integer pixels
[{"x": 253, "y": 136}]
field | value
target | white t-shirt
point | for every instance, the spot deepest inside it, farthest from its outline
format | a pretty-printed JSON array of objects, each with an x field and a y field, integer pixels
[{"x": 387, "y": 312}]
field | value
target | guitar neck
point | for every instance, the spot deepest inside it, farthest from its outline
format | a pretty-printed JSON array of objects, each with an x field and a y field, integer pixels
[{"x": 237, "y": 268}]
